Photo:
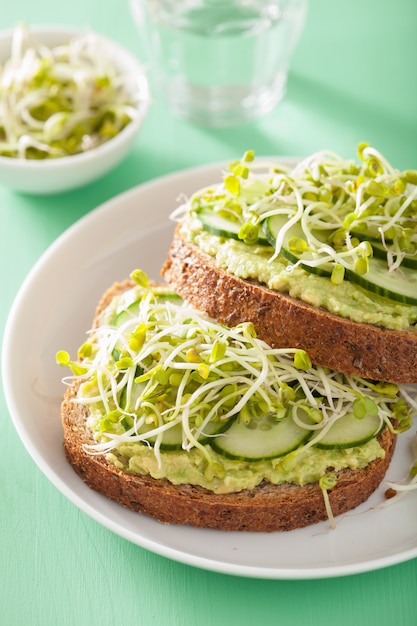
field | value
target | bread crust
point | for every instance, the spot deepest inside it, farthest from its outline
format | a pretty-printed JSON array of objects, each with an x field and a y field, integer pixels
[
  {"x": 265, "y": 508},
  {"x": 284, "y": 321}
]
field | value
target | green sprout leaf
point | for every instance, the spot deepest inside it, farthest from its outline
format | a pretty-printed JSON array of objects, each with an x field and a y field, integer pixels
[
  {"x": 249, "y": 233},
  {"x": 302, "y": 361},
  {"x": 364, "y": 406},
  {"x": 249, "y": 156},
  {"x": 140, "y": 278},
  {"x": 232, "y": 184},
  {"x": 63, "y": 358},
  {"x": 338, "y": 274}
]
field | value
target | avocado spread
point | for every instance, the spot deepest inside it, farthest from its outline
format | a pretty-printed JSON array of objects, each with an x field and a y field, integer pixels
[
  {"x": 191, "y": 468},
  {"x": 346, "y": 299}
]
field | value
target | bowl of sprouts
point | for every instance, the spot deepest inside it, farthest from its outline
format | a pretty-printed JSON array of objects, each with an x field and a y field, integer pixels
[{"x": 71, "y": 105}]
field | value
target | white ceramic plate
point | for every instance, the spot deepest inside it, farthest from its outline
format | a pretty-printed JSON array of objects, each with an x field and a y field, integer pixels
[{"x": 53, "y": 310}]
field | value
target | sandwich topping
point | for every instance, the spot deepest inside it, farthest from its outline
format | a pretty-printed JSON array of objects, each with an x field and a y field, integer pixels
[
  {"x": 332, "y": 232},
  {"x": 173, "y": 394}
]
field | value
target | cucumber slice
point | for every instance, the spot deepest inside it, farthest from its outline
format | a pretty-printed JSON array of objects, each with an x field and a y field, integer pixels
[
  {"x": 173, "y": 437},
  {"x": 272, "y": 226},
  {"x": 223, "y": 227},
  {"x": 132, "y": 310},
  {"x": 399, "y": 285},
  {"x": 137, "y": 389},
  {"x": 349, "y": 431},
  {"x": 372, "y": 234},
  {"x": 268, "y": 440},
  {"x": 380, "y": 253}
]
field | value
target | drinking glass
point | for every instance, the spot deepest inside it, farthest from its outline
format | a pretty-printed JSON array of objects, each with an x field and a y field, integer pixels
[{"x": 219, "y": 62}]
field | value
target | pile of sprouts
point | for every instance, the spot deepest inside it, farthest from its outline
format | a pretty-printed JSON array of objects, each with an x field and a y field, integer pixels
[
  {"x": 62, "y": 100},
  {"x": 167, "y": 366},
  {"x": 343, "y": 207}
]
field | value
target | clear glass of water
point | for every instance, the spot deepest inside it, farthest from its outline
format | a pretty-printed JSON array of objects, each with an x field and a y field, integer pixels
[{"x": 220, "y": 63}]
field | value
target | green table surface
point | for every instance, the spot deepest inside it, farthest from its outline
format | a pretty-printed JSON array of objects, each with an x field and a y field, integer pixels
[{"x": 354, "y": 78}]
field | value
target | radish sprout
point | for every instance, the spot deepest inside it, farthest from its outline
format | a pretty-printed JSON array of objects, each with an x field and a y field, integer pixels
[
  {"x": 63, "y": 100},
  {"x": 188, "y": 374},
  {"x": 344, "y": 209}
]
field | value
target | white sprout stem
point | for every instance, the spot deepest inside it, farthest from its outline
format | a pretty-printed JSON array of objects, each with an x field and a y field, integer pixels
[
  {"x": 400, "y": 211},
  {"x": 407, "y": 393},
  {"x": 411, "y": 486},
  {"x": 370, "y": 151},
  {"x": 293, "y": 220},
  {"x": 362, "y": 207}
]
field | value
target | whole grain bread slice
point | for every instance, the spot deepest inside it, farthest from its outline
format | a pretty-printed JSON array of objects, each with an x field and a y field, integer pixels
[
  {"x": 265, "y": 508},
  {"x": 283, "y": 321}
]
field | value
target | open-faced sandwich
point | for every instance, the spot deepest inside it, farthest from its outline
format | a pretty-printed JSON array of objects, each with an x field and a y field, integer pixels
[
  {"x": 321, "y": 257},
  {"x": 190, "y": 421}
]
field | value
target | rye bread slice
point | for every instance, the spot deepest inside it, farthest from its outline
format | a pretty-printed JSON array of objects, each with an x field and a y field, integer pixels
[
  {"x": 266, "y": 508},
  {"x": 283, "y": 321}
]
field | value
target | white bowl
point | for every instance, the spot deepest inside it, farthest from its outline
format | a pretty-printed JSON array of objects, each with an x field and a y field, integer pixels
[{"x": 60, "y": 174}]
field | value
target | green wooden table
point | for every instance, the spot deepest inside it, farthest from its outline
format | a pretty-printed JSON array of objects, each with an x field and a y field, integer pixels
[{"x": 353, "y": 79}]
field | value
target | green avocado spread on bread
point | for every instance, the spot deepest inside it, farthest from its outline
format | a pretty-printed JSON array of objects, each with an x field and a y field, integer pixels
[
  {"x": 230, "y": 475},
  {"x": 345, "y": 299}
]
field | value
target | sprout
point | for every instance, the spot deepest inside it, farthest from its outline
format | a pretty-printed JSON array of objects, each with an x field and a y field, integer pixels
[
  {"x": 231, "y": 183},
  {"x": 297, "y": 245},
  {"x": 124, "y": 363},
  {"x": 249, "y": 232},
  {"x": 361, "y": 148},
  {"x": 137, "y": 338},
  {"x": 410, "y": 176},
  {"x": 338, "y": 274},
  {"x": 248, "y": 156},
  {"x": 399, "y": 490},
  {"x": 193, "y": 356},
  {"x": 363, "y": 406},
  {"x": 326, "y": 483},
  {"x": 218, "y": 351},
  {"x": 63, "y": 100},
  {"x": 241, "y": 170},
  {"x": 302, "y": 360},
  {"x": 140, "y": 278},
  {"x": 84, "y": 351},
  {"x": 362, "y": 266},
  {"x": 63, "y": 359}
]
